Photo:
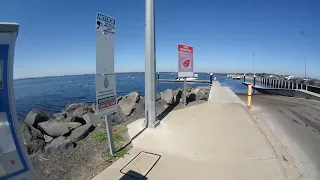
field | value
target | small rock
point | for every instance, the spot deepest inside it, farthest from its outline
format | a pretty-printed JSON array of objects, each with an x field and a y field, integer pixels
[
  {"x": 60, "y": 144},
  {"x": 47, "y": 138},
  {"x": 35, "y": 146},
  {"x": 80, "y": 133},
  {"x": 167, "y": 95},
  {"x": 36, "y": 116},
  {"x": 54, "y": 128}
]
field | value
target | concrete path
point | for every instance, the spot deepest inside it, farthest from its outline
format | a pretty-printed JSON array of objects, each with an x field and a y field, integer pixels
[
  {"x": 296, "y": 122},
  {"x": 215, "y": 140}
]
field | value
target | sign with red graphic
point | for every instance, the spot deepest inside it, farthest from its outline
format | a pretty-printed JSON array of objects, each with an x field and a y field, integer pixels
[{"x": 185, "y": 61}]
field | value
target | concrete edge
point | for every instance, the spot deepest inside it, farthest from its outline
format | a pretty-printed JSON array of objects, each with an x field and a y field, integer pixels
[{"x": 284, "y": 159}]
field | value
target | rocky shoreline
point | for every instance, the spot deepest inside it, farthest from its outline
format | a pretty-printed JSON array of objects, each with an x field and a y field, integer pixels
[{"x": 57, "y": 143}]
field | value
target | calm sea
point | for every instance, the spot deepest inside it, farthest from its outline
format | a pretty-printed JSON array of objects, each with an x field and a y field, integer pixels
[{"x": 51, "y": 94}]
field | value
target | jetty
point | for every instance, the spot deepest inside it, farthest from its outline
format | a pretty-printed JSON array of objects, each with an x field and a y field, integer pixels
[{"x": 219, "y": 139}]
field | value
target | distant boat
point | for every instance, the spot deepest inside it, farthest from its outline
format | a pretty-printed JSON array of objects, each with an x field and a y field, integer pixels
[
  {"x": 195, "y": 77},
  {"x": 236, "y": 77}
]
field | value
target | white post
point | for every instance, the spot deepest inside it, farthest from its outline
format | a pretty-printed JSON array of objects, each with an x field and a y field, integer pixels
[
  {"x": 185, "y": 92},
  {"x": 150, "y": 85},
  {"x": 110, "y": 136}
]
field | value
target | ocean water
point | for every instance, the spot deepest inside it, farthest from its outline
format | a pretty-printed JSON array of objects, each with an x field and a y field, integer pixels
[{"x": 51, "y": 94}]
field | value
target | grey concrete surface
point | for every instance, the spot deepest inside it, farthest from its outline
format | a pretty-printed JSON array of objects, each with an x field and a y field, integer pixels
[
  {"x": 205, "y": 141},
  {"x": 296, "y": 123}
]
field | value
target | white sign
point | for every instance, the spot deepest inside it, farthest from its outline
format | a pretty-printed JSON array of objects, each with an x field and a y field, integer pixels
[
  {"x": 106, "y": 96},
  {"x": 185, "y": 60},
  {"x": 105, "y": 30},
  {"x": 14, "y": 162},
  {"x": 105, "y": 23}
]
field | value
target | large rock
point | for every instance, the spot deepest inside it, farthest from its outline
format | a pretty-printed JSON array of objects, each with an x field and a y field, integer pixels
[
  {"x": 29, "y": 133},
  {"x": 55, "y": 128},
  {"x": 77, "y": 109},
  {"x": 93, "y": 107},
  {"x": 177, "y": 95},
  {"x": 59, "y": 116},
  {"x": 93, "y": 119},
  {"x": 167, "y": 95},
  {"x": 119, "y": 98},
  {"x": 26, "y": 134},
  {"x": 35, "y": 146},
  {"x": 139, "y": 110},
  {"x": 201, "y": 95},
  {"x": 81, "y": 132},
  {"x": 60, "y": 144},
  {"x": 158, "y": 96},
  {"x": 161, "y": 106},
  {"x": 118, "y": 117},
  {"x": 35, "y": 117},
  {"x": 128, "y": 102}
]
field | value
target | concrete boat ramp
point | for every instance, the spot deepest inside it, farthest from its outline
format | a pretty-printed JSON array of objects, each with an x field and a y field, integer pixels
[{"x": 219, "y": 139}]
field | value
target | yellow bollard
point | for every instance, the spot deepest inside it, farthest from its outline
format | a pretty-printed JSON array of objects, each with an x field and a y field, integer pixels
[{"x": 249, "y": 95}]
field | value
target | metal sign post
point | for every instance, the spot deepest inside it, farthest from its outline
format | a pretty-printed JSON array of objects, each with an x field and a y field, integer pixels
[
  {"x": 185, "y": 92},
  {"x": 14, "y": 161},
  {"x": 106, "y": 96},
  {"x": 110, "y": 136}
]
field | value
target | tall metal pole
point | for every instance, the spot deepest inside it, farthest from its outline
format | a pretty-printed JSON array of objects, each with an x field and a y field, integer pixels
[
  {"x": 254, "y": 65},
  {"x": 150, "y": 85},
  {"x": 305, "y": 59}
]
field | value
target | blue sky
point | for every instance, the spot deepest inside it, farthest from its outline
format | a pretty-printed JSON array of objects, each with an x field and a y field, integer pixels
[{"x": 58, "y": 36}]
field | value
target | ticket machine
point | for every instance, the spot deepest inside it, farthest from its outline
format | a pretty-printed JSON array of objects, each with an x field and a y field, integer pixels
[{"x": 14, "y": 161}]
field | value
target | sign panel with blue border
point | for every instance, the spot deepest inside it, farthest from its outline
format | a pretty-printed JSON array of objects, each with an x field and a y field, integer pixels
[{"x": 13, "y": 157}]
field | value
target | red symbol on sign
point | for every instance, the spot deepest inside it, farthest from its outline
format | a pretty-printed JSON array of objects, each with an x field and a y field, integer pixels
[
  {"x": 186, "y": 63},
  {"x": 12, "y": 161}
]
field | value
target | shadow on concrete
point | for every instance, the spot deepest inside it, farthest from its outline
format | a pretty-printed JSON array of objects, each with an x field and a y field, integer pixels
[{"x": 132, "y": 175}]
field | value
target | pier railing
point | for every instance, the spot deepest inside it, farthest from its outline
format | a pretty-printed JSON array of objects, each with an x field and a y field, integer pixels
[{"x": 280, "y": 84}]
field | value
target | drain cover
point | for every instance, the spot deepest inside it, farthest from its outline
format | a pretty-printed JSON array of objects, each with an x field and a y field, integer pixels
[{"x": 140, "y": 165}]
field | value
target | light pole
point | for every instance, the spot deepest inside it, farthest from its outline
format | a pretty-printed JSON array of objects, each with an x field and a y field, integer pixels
[
  {"x": 150, "y": 65},
  {"x": 254, "y": 70},
  {"x": 254, "y": 65},
  {"x": 305, "y": 59}
]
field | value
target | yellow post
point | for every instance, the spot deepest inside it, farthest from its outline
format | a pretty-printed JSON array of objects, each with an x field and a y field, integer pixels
[{"x": 249, "y": 95}]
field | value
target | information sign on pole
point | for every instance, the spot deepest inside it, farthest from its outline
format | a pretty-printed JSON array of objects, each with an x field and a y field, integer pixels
[
  {"x": 14, "y": 161},
  {"x": 105, "y": 77},
  {"x": 185, "y": 61}
]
